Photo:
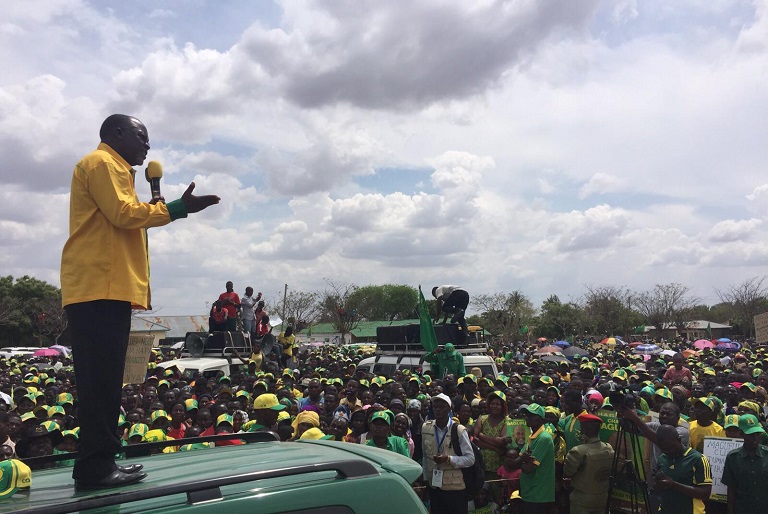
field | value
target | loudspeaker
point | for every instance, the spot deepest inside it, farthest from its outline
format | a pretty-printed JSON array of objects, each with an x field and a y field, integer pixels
[
  {"x": 392, "y": 334},
  {"x": 451, "y": 333}
]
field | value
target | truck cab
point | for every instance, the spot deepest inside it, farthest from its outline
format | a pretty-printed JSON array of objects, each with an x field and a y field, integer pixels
[{"x": 212, "y": 354}]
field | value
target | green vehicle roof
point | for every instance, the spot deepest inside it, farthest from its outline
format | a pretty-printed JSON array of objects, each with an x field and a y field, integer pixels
[{"x": 374, "y": 478}]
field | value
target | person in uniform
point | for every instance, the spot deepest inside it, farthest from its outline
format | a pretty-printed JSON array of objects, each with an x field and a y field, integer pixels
[
  {"x": 746, "y": 470},
  {"x": 589, "y": 466}
]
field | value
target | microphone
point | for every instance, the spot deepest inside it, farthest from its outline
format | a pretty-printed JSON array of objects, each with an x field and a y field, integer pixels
[{"x": 154, "y": 173}]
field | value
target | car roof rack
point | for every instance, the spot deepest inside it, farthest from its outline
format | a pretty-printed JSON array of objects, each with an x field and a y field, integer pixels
[{"x": 207, "y": 490}]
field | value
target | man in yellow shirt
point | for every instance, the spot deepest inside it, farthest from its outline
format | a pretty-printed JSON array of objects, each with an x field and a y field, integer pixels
[
  {"x": 104, "y": 274},
  {"x": 703, "y": 425}
]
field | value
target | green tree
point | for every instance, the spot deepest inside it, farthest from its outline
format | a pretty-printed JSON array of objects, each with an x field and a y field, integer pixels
[
  {"x": 505, "y": 314},
  {"x": 718, "y": 313},
  {"x": 559, "y": 320},
  {"x": 30, "y": 312},
  {"x": 665, "y": 304},
  {"x": 608, "y": 311},
  {"x": 747, "y": 299},
  {"x": 388, "y": 302}
]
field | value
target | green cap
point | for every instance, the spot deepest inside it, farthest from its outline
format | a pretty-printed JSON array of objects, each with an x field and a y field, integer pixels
[
  {"x": 382, "y": 414},
  {"x": 749, "y": 424},
  {"x": 731, "y": 420},
  {"x": 536, "y": 410},
  {"x": 709, "y": 402}
]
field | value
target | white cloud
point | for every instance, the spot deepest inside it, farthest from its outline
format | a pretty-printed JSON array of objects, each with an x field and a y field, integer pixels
[
  {"x": 531, "y": 116},
  {"x": 728, "y": 231},
  {"x": 595, "y": 228},
  {"x": 600, "y": 183}
]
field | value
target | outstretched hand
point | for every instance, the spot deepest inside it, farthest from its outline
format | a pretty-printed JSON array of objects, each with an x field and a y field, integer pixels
[{"x": 194, "y": 203}]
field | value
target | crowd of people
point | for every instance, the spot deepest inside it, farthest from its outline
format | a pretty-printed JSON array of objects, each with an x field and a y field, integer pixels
[{"x": 538, "y": 425}]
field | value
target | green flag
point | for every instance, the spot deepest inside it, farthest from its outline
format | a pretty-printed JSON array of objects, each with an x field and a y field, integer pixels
[
  {"x": 426, "y": 329},
  {"x": 524, "y": 330},
  {"x": 709, "y": 330}
]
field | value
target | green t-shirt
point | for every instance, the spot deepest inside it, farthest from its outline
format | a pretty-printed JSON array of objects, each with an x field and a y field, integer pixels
[
  {"x": 395, "y": 444},
  {"x": 539, "y": 486},
  {"x": 747, "y": 475},
  {"x": 570, "y": 427},
  {"x": 690, "y": 468},
  {"x": 252, "y": 426}
]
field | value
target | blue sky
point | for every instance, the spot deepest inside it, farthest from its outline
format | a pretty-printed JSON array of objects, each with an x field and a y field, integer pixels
[{"x": 501, "y": 145}]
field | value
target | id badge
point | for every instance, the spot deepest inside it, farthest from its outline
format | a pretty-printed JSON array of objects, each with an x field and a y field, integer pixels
[{"x": 437, "y": 478}]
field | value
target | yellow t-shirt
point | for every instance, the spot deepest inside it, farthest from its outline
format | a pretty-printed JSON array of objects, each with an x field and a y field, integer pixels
[
  {"x": 698, "y": 433},
  {"x": 105, "y": 256},
  {"x": 287, "y": 343},
  {"x": 258, "y": 358}
]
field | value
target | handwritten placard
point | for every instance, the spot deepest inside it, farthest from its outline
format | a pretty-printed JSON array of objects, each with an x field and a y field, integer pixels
[
  {"x": 716, "y": 449},
  {"x": 136, "y": 359},
  {"x": 761, "y": 328}
]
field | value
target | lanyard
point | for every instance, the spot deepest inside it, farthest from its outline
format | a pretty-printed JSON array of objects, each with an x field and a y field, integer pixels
[{"x": 442, "y": 440}]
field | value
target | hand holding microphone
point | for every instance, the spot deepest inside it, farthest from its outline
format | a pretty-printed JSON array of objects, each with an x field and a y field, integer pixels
[
  {"x": 154, "y": 173},
  {"x": 192, "y": 203}
]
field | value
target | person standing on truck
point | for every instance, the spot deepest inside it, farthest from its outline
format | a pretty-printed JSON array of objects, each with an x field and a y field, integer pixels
[
  {"x": 230, "y": 301},
  {"x": 105, "y": 274},
  {"x": 452, "y": 300},
  {"x": 247, "y": 306}
]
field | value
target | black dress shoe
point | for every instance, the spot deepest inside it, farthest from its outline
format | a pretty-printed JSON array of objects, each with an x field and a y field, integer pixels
[
  {"x": 133, "y": 468},
  {"x": 116, "y": 479}
]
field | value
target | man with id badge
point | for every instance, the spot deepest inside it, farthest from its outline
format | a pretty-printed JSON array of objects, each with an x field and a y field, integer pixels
[{"x": 441, "y": 465}]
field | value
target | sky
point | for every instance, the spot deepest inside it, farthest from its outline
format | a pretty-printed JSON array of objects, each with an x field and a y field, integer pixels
[{"x": 544, "y": 147}]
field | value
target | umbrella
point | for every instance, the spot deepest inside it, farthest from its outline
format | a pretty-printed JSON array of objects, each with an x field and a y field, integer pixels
[
  {"x": 723, "y": 340},
  {"x": 554, "y": 358},
  {"x": 731, "y": 346},
  {"x": 689, "y": 353},
  {"x": 46, "y": 352},
  {"x": 562, "y": 344},
  {"x": 177, "y": 346},
  {"x": 610, "y": 341},
  {"x": 542, "y": 339},
  {"x": 700, "y": 344},
  {"x": 635, "y": 344},
  {"x": 61, "y": 349},
  {"x": 546, "y": 350},
  {"x": 575, "y": 351},
  {"x": 647, "y": 349},
  {"x": 668, "y": 353}
]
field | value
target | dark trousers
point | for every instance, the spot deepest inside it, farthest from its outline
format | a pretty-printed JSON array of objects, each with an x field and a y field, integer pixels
[
  {"x": 457, "y": 300},
  {"x": 99, "y": 332},
  {"x": 447, "y": 502},
  {"x": 537, "y": 508}
]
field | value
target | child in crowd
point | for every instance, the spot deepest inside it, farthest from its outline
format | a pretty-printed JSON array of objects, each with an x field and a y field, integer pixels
[{"x": 482, "y": 503}]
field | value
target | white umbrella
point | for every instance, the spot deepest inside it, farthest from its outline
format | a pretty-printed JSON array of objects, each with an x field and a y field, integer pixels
[{"x": 61, "y": 349}]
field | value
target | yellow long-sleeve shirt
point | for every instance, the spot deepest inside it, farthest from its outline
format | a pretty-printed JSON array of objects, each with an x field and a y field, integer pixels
[{"x": 106, "y": 256}]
